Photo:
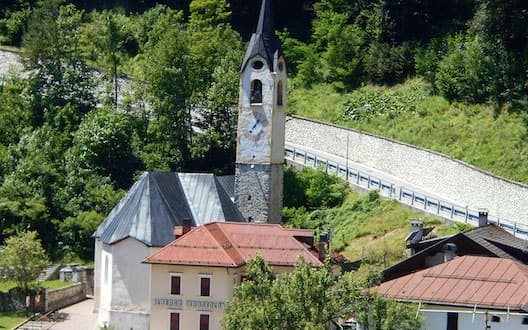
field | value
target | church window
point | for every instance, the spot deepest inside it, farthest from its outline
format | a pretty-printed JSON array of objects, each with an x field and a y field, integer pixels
[
  {"x": 257, "y": 65},
  {"x": 106, "y": 271},
  {"x": 279, "y": 93},
  {"x": 256, "y": 91}
]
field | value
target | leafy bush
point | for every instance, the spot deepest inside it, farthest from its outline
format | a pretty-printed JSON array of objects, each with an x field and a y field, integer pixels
[
  {"x": 372, "y": 101},
  {"x": 466, "y": 72},
  {"x": 313, "y": 189}
]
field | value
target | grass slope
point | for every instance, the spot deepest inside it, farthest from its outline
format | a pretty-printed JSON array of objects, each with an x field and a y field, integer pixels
[
  {"x": 496, "y": 142},
  {"x": 368, "y": 227}
]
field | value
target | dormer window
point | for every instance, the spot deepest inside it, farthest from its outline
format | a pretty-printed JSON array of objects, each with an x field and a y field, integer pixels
[
  {"x": 256, "y": 91},
  {"x": 279, "y": 93}
]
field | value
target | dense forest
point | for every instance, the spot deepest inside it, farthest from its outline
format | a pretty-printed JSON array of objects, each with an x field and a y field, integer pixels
[{"x": 69, "y": 150}]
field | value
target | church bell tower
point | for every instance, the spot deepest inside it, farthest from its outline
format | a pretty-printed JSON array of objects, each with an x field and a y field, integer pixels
[{"x": 261, "y": 125}]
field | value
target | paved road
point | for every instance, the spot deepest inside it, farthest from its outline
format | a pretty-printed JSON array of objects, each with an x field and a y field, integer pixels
[
  {"x": 75, "y": 317},
  {"x": 78, "y": 317}
]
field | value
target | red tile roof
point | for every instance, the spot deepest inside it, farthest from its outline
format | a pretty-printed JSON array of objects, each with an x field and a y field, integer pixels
[
  {"x": 229, "y": 244},
  {"x": 465, "y": 281}
]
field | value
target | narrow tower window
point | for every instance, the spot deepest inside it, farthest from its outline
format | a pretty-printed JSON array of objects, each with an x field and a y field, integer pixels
[
  {"x": 279, "y": 93},
  {"x": 256, "y": 91}
]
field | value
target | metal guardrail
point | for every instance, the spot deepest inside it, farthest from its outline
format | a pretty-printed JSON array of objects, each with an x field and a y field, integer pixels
[{"x": 420, "y": 201}]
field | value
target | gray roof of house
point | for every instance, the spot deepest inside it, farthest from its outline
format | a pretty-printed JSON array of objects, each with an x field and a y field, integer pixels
[
  {"x": 264, "y": 41},
  {"x": 158, "y": 202}
]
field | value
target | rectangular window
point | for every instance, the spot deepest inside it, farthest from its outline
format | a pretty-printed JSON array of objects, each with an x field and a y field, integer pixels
[
  {"x": 205, "y": 286},
  {"x": 452, "y": 321},
  {"x": 174, "y": 321},
  {"x": 175, "y": 284},
  {"x": 204, "y": 321}
]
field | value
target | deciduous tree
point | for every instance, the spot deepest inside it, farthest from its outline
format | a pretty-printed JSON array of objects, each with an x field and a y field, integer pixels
[{"x": 22, "y": 258}]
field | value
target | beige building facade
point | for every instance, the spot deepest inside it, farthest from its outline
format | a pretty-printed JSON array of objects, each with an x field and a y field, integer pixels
[
  {"x": 189, "y": 297},
  {"x": 193, "y": 278}
]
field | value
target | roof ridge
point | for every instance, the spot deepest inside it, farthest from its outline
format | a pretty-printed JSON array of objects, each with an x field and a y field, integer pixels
[{"x": 222, "y": 247}]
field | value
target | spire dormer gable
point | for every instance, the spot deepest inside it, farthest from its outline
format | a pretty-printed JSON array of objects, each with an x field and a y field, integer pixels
[{"x": 264, "y": 42}]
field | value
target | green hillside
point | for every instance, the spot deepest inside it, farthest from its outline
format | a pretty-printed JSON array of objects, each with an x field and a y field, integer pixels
[
  {"x": 365, "y": 227},
  {"x": 410, "y": 112}
]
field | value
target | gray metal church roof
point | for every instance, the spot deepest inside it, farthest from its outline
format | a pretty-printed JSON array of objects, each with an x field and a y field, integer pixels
[
  {"x": 158, "y": 202},
  {"x": 264, "y": 42}
]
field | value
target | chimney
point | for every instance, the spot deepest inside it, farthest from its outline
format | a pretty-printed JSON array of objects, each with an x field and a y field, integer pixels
[
  {"x": 187, "y": 224},
  {"x": 323, "y": 242},
  {"x": 483, "y": 217},
  {"x": 417, "y": 227},
  {"x": 416, "y": 234},
  {"x": 179, "y": 231}
]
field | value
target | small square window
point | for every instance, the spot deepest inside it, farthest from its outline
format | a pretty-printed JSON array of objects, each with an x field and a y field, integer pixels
[
  {"x": 524, "y": 321},
  {"x": 495, "y": 318},
  {"x": 205, "y": 286},
  {"x": 175, "y": 285},
  {"x": 204, "y": 321}
]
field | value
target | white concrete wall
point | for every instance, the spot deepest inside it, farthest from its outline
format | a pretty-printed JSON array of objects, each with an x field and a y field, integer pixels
[
  {"x": 124, "y": 299},
  {"x": 98, "y": 247},
  {"x": 434, "y": 172}
]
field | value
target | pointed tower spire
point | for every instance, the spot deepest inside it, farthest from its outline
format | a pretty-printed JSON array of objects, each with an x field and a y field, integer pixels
[
  {"x": 264, "y": 42},
  {"x": 265, "y": 23}
]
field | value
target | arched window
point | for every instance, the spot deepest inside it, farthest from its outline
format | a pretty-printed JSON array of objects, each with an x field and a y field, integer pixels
[
  {"x": 279, "y": 93},
  {"x": 256, "y": 92}
]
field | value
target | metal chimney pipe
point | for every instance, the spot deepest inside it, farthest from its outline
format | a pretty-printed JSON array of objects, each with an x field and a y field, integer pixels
[{"x": 482, "y": 217}]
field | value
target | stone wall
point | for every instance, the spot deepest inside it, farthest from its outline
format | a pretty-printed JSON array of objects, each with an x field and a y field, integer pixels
[
  {"x": 434, "y": 172},
  {"x": 12, "y": 300},
  {"x": 60, "y": 298}
]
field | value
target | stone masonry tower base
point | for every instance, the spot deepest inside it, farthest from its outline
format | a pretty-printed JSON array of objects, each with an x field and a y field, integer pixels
[{"x": 253, "y": 184}]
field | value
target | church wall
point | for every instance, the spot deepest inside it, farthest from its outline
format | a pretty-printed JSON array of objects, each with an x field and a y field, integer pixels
[
  {"x": 97, "y": 273},
  {"x": 446, "y": 177},
  {"x": 104, "y": 294},
  {"x": 125, "y": 294}
]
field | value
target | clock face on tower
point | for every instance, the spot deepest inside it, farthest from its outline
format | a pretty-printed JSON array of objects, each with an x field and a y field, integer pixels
[{"x": 256, "y": 124}]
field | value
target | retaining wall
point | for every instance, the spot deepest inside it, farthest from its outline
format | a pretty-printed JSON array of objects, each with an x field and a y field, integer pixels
[
  {"x": 440, "y": 174},
  {"x": 60, "y": 298}
]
